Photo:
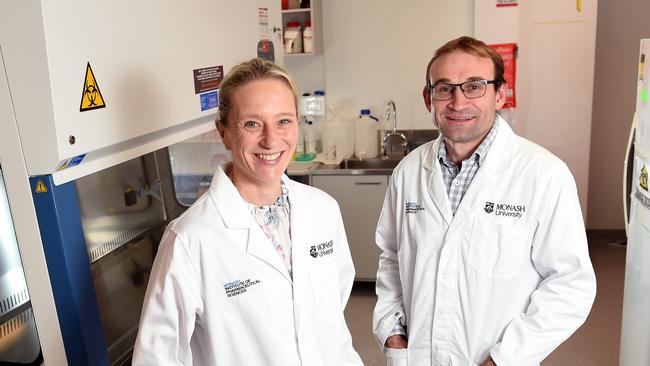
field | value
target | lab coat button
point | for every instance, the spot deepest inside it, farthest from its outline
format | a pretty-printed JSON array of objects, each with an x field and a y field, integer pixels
[{"x": 397, "y": 314}]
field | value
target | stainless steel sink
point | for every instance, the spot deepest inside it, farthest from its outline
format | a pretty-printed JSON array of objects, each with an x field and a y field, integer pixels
[{"x": 368, "y": 164}]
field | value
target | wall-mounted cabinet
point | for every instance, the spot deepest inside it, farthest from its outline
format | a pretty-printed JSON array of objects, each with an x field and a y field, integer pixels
[{"x": 307, "y": 15}]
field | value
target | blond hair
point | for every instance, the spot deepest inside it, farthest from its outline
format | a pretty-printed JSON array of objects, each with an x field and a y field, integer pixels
[{"x": 245, "y": 72}]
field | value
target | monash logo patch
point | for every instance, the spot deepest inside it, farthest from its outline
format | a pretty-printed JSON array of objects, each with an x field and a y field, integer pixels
[
  {"x": 238, "y": 287},
  {"x": 505, "y": 209},
  {"x": 322, "y": 249},
  {"x": 413, "y": 207}
]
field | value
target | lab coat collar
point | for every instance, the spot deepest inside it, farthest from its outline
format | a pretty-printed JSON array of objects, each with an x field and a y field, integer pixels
[
  {"x": 235, "y": 214},
  {"x": 233, "y": 206},
  {"x": 437, "y": 191},
  {"x": 228, "y": 201},
  {"x": 500, "y": 155},
  {"x": 499, "y": 147},
  {"x": 497, "y": 160}
]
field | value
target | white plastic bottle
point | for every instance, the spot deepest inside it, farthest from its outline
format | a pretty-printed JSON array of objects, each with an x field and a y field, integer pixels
[
  {"x": 338, "y": 139},
  {"x": 366, "y": 129},
  {"x": 300, "y": 142},
  {"x": 311, "y": 138},
  {"x": 312, "y": 105},
  {"x": 308, "y": 38},
  {"x": 293, "y": 38}
]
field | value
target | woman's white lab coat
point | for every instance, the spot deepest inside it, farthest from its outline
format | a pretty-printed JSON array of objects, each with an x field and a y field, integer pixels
[
  {"x": 509, "y": 275},
  {"x": 219, "y": 294}
]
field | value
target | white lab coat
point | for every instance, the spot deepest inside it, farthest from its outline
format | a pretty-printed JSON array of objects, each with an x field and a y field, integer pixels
[
  {"x": 219, "y": 294},
  {"x": 509, "y": 275}
]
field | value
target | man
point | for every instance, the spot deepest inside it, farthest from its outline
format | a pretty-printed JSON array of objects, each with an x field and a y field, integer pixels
[{"x": 485, "y": 258}]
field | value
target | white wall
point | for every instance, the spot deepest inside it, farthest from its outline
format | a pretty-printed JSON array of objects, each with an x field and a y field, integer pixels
[
  {"x": 620, "y": 27},
  {"x": 307, "y": 71},
  {"x": 378, "y": 50},
  {"x": 555, "y": 73}
]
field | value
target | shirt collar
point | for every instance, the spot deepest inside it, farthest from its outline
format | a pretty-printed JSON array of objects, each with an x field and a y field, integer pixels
[{"x": 480, "y": 152}]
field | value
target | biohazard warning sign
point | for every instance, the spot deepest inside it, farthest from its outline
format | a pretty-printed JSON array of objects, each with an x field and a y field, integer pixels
[
  {"x": 91, "y": 97},
  {"x": 40, "y": 187}
]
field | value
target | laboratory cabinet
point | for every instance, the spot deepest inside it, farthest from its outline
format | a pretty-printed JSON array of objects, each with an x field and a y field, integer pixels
[
  {"x": 106, "y": 82},
  {"x": 18, "y": 336},
  {"x": 311, "y": 14},
  {"x": 91, "y": 96},
  {"x": 360, "y": 198}
]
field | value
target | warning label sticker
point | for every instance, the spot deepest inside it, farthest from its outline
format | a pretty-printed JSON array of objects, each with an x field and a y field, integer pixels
[
  {"x": 207, "y": 78},
  {"x": 62, "y": 165},
  {"x": 40, "y": 187},
  {"x": 69, "y": 163},
  {"x": 91, "y": 97}
]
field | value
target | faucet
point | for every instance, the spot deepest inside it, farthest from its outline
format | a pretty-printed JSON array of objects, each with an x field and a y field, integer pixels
[{"x": 391, "y": 111}]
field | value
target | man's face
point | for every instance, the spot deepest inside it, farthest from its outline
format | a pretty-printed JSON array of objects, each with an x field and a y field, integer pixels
[{"x": 464, "y": 121}]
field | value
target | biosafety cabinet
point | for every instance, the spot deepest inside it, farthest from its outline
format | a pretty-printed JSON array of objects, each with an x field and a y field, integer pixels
[{"x": 91, "y": 96}]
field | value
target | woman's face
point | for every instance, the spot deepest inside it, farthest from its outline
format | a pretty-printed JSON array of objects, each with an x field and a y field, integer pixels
[{"x": 261, "y": 132}]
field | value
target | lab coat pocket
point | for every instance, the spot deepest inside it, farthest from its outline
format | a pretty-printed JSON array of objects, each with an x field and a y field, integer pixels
[
  {"x": 397, "y": 356},
  {"x": 497, "y": 249},
  {"x": 324, "y": 283}
]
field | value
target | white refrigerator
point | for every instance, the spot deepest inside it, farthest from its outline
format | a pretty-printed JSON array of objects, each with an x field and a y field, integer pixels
[{"x": 635, "y": 332}]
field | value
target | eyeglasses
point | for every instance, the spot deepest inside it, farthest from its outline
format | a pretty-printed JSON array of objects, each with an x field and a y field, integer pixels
[{"x": 471, "y": 89}]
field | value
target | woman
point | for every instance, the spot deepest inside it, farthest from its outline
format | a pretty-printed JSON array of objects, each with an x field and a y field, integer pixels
[{"x": 258, "y": 270}]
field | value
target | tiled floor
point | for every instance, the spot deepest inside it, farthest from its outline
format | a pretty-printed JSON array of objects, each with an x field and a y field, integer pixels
[{"x": 596, "y": 343}]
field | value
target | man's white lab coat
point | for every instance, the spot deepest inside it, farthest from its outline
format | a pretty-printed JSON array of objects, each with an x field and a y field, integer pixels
[
  {"x": 509, "y": 275},
  {"x": 219, "y": 294}
]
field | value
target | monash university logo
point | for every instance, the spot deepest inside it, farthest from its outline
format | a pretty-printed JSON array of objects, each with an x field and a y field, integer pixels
[
  {"x": 505, "y": 209},
  {"x": 322, "y": 249}
]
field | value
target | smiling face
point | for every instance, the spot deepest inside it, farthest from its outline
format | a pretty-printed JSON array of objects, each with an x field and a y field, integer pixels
[
  {"x": 464, "y": 122},
  {"x": 261, "y": 133}
]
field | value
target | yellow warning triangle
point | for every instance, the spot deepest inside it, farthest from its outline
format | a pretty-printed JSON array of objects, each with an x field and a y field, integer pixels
[
  {"x": 40, "y": 187},
  {"x": 91, "y": 97}
]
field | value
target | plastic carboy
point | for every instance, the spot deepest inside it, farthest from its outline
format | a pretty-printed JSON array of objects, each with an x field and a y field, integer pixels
[{"x": 366, "y": 135}]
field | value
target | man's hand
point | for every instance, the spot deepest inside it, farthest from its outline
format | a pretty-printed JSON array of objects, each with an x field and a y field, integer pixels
[
  {"x": 488, "y": 362},
  {"x": 396, "y": 341}
]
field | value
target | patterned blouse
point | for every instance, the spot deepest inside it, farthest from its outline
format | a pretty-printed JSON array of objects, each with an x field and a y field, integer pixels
[{"x": 274, "y": 221}]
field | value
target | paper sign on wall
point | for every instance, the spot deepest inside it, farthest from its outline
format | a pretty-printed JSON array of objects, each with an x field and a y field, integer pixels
[
  {"x": 207, "y": 78},
  {"x": 508, "y": 52}
]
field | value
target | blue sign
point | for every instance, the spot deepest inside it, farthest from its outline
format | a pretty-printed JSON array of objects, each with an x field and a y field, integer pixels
[
  {"x": 76, "y": 160},
  {"x": 209, "y": 100}
]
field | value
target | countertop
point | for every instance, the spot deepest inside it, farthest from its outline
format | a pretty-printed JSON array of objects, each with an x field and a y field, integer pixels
[{"x": 323, "y": 167}]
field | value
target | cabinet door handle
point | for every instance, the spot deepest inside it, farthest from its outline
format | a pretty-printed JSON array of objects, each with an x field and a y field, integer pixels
[{"x": 367, "y": 183}]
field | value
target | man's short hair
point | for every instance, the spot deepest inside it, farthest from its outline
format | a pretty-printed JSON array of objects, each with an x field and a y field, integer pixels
[{"x": 474, "y": 47}]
